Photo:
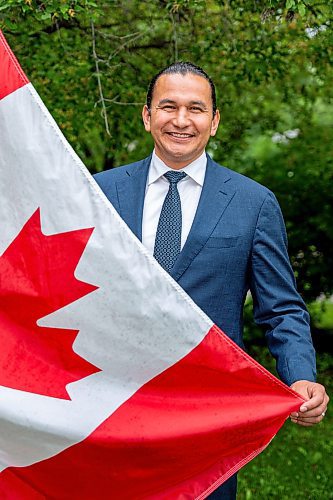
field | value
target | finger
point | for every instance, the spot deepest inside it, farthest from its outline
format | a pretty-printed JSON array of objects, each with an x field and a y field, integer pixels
[
  {"x": 301, "y": 423},
  {"x": 304, "y": 424},
  {"x": 312, "y": 420},
  {"x": 312, "y": 403},
  {"x": 301, "y": 420},
  {"x": 312, "y": 413},
  {"x": 319, "y": 411},
  {"x": 318, "y": 401}
]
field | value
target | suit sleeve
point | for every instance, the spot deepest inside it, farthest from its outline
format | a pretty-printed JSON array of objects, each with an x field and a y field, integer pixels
[{"x": 277, "y": 305}]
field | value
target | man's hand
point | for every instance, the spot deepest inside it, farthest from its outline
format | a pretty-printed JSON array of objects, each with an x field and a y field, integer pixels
[{"x": 313, "y": 410}]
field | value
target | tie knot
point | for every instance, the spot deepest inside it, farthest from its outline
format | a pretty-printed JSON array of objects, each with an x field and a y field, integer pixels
[{"x": 174, "y": 177}]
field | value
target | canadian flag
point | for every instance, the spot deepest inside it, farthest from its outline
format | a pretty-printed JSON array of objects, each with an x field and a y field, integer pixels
[{"x": 113, "y": 383}]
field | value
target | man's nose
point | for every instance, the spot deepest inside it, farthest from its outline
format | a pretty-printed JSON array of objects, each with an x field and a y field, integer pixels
[{"x": 181, "y": 118}]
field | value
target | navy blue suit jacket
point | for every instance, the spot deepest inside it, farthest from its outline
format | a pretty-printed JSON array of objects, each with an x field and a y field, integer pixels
[{"x": 237, "y": 243}]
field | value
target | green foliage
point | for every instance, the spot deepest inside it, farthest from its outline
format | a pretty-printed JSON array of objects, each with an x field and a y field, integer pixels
[
  {"x": 50, "y": 10},
  {"x": 322, "y": 314},
  {"x": 91, "y": 63}
]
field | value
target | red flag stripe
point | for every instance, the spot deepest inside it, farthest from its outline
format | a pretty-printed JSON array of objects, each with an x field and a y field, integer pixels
[
  {"x": 216, "y": 407},
  {"x": 12, "y": 76}
]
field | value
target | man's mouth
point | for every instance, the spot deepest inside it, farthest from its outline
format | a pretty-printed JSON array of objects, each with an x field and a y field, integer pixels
[{"x": 180, "y": 135}]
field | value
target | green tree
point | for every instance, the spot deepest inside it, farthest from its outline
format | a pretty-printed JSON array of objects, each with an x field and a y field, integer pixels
[{"x": 271, "y": 61}]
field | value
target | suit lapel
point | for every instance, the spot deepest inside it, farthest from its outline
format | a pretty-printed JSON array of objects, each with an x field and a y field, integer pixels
[
  {"x": 131, "y": 195},
  {"x": 216, "y": 195}
]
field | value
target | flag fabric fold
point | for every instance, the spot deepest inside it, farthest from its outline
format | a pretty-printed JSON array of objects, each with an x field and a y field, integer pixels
[{"x": 113, "y": 383}]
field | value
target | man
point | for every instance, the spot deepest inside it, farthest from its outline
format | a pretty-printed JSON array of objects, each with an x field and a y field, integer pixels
[{"x": 218, "y": 233}]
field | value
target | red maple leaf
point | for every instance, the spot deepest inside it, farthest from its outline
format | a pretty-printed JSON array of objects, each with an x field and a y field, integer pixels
[{"x": 36, "y": 279}]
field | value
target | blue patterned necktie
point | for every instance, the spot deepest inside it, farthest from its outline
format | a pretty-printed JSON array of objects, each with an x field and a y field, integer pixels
[{"x": 169, "y": 229}]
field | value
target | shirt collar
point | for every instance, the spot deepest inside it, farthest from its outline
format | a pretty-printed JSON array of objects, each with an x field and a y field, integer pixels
[{"x": 196, "y": 170}]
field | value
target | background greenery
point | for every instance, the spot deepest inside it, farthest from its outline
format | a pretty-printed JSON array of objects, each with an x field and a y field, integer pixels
[{"x": 272, "y": 65}]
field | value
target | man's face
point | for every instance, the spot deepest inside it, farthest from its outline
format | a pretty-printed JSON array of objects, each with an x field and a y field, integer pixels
[{"x": 181, "y": 118}]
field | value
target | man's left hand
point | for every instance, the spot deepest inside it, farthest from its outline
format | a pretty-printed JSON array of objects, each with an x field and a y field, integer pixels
[{"x": 313, "y": 410}]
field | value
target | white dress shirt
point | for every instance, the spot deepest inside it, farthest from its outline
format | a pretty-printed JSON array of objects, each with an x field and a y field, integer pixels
[{"x": 157, "y": 187}]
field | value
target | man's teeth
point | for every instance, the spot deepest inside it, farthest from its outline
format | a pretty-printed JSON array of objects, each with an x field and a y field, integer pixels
[{"x": 180, "y": 135}]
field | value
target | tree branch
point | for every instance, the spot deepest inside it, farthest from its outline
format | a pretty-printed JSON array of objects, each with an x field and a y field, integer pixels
[
  {"x": 174, "y": 35},
  {"x": 99, "y": 81}
]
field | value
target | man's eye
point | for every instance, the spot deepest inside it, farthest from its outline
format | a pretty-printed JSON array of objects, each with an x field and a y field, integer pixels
[
  {"x": 196, "y": 109},
  {"x": 168, "y": 107}
]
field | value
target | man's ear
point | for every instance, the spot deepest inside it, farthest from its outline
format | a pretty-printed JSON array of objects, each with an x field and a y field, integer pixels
[
  {"x": 146, "y": 117},
  {"x": 215, "y": 123}
]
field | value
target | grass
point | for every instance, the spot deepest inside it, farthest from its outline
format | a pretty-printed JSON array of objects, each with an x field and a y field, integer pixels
[{"x": 298, "y": 464}]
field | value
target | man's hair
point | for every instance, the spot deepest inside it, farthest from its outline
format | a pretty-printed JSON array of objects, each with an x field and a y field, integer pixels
[{"x": 182, "y": 68}]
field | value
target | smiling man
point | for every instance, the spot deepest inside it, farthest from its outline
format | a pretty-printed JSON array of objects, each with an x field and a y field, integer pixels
[
  {"x": 216, "y": 232},
  {"x": 181, "y": 116}
]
